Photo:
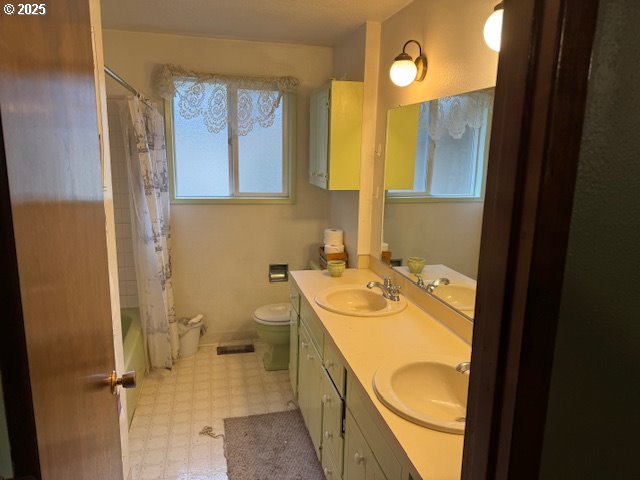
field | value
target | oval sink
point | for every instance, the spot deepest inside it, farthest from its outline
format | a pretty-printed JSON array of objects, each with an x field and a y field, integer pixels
[
  {"x": 358, "y": 300},
  {"x": 461, "y": 297},
  {"x": 429, "y": 392}
]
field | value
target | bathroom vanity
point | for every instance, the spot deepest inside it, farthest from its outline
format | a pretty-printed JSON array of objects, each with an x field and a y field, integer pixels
[{"x": 336, "y": 357}]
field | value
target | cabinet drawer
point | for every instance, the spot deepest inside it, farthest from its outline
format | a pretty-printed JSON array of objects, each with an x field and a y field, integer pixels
[
  {"x": 333, "y": 364},
  {"x": 358, "y": 405},
  {"x": 308, "y": 317},
  {"x": 332, "y": 410}
]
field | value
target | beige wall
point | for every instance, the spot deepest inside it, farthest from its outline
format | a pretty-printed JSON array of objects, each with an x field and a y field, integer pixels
[
  {"x": 459, "y": 61},
  {"x": 221, "y": 253},
  {"x": 356, "y": 58},
  {"x": 348, "y": 64}
]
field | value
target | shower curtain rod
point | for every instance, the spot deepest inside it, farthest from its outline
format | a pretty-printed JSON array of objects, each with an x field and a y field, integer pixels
[{"x": 121, "y": 81}]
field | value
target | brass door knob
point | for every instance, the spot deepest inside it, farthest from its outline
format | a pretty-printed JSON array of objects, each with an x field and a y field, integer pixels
[{"x": 127, "y": 380}]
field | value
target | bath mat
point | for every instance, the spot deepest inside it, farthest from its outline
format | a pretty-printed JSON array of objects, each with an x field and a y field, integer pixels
[{"x": 270, "y": 446}]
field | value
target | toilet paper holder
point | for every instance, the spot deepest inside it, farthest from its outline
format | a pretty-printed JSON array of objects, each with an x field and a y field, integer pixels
[{"x": 278, "y": 272}]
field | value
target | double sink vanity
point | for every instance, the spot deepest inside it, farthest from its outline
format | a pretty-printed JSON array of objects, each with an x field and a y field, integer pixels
[{"x": 376, "y": 380}]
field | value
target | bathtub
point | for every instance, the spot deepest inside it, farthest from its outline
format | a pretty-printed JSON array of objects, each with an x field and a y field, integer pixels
[{"x": 133, "y": 354}]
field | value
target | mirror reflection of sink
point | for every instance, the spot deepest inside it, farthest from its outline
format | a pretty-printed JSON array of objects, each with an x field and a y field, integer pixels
[
  {"x": 427, "y": 392},
  {"x": 461, "y": 297},
  {"x": 358, "y": 300}
]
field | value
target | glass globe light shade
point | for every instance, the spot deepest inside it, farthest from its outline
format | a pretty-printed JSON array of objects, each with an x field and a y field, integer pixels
[
  {"x": 403, "y": 71},
  {"x": 493, "y": 30}
]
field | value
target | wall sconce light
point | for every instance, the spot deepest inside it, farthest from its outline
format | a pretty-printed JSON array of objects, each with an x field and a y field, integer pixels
[
  {"x": 493, "y": 28},
  {"x": 405, "y": 70}
]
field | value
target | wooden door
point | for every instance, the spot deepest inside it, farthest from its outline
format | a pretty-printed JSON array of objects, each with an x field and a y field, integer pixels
[
  {"x": 543, "y": 72},
  {"x": 54, "y": 250}
]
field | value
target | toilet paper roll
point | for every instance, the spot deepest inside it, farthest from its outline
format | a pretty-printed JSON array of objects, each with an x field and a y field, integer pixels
[
  {"x": 333, "y": 236},
  {"x": 385, "y": 247},
  {"x": 333, "y": 248}
]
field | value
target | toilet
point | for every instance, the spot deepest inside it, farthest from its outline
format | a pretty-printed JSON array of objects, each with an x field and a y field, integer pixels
[{"x": 272, "y": 324}]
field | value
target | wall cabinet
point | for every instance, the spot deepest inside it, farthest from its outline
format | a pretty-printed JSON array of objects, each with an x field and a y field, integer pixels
[{"x": 335, "y": 135}]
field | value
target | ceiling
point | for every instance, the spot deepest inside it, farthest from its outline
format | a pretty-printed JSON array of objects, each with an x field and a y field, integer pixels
[{"x": 309, "y": 22}]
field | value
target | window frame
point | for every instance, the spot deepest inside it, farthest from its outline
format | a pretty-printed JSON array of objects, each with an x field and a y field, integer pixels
[
  {"x": 484, "y": 139},
  {"x": 288, "y": 164}
]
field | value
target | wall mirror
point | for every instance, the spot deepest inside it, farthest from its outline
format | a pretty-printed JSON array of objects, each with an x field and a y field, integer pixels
[{"x": 435, "y": 173}]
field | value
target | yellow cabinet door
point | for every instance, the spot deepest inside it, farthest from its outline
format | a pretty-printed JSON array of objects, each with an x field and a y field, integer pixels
[{"x": 401, "y": 147}]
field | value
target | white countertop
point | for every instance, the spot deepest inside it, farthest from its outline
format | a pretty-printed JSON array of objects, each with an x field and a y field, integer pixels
[{"x": 366, "y": 343}]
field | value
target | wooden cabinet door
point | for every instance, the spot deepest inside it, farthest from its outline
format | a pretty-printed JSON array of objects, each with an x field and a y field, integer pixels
[
  {"x": 293, "y": 350},
  {"x": 356, "y": 452},
  {"x": 309, "y": 387},
  {"x": 359, "y": 461},
  {"x": 57, "y": 306},
  {"x": 332, "y": 410},
  {"x": 319, "y": 137}
]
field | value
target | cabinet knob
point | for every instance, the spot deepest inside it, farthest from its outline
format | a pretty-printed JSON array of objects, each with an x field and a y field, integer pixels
[
  {"x": 359, "y": 459},
  {"x": 328, "y": 434},
  {"x": 330, "y": 364},
  {"x": 328, "y": 472},
  {"x": 326, "y": 398},
  {"x": 304, "y": 345},
  {"x": 309, "y": 357}
]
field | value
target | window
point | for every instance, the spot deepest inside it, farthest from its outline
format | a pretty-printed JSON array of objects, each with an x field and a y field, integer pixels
[
  {"x": 451, "y": 150},
  {"x": 230, "y": 143}
]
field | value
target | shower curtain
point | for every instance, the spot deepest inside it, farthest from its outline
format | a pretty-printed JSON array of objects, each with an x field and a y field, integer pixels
[{"x": 149, "y": 202}]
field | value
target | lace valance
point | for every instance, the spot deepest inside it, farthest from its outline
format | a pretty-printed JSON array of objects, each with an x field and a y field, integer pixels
[
  {"x": 206, "y": 95},
  {"x": 453, "y": 114}
]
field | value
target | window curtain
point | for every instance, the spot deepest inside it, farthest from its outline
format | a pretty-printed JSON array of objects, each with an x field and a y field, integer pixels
[
  {"x": 452, "y": 115},
  {"x": 205, "y": 95},
  {"x": 149, "y": 203}
]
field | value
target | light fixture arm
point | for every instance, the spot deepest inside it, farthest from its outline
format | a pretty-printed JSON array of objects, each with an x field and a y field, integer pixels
[
  {"x": 413, "y": 41},
  {"x": 420, "y": 61}
]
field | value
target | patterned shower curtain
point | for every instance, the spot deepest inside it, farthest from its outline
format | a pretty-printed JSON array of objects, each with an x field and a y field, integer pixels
[{"x": 149, "y": 202}]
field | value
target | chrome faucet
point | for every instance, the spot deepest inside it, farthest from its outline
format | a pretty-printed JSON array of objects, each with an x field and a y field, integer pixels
[
  {"x": 431, "y": 286},
  {"x": 389, "y": 290},
  {"x": 463, "y": 367}
]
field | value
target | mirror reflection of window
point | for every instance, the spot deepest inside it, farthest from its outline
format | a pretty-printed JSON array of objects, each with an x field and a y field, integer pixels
[{"x": 452, "y": 139}]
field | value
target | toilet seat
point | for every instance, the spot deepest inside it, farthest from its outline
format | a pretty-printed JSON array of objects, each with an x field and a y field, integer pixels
[{"x": 273, "y": 314}]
